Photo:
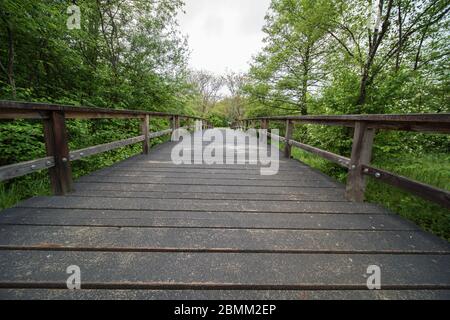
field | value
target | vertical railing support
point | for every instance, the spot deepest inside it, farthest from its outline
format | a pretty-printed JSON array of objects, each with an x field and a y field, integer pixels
[
  {"x": 57, "y": 146},
  {"x": 264, "y": 124},
  {"x": 175, "y": 125},
  {"x": 145, "y": 130},
  {"x": 361, "y": 155},
  {"x": 287, "y": 146}
]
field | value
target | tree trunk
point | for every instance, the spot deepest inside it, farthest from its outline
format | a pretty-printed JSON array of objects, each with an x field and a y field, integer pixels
[
  {"x": 400, "y": 38},
  {"x": 304, "y": 93},
  {"x": 362, "y": 91}
]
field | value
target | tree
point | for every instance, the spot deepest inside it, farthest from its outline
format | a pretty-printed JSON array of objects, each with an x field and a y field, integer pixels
[
  {"x": 208, "y": 87},
  {"x": 290, "y": 66},
  {"x": 127, "y": 54},
  {"x": 367, "y": 34},
  {"x": 236, "y": 102}
]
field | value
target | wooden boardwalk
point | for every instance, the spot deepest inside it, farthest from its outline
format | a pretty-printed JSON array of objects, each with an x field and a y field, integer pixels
[{"x": 148, "y": 229}]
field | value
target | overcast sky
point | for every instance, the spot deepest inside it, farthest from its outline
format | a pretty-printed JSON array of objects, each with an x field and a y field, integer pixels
[{"x": 223, "y": 34}]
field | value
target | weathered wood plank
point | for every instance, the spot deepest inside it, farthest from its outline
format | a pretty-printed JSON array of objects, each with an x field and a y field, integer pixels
[
  {"x": 288, "y": 137},
  {"x": 315, "y": 196},
  {"x": 145, "y": 130},
  {"x": 206, "y": 175},
  {"x": 433, "y": 123},
  {"x": 314, "y": 182},
  {"x": 37, "y": 109},
  {"x": 218, "y": 240},
  {"x": 90, "y": 151},
  {"x": 57, "y": 146},
  {"x": 47, "y": 269},
  {"x": 23, "y": 168},
  {"x": 188, "y": 219},
  {"x": 420, "y": 189},
  {"x": 340, "y": 160},
  {"x": 69, "y": 202},
  {"x": 57, "y": 294},
  {"x": 173, "y": 188},
  {"x": 191, "y": 171},
  {"x": 361, "y": 155},
  {"x": 235, "y": 177}
]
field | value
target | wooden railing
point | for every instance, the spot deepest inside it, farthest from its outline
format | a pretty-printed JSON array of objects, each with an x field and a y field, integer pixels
[
  {"x": 59, "y": 157},
  {"x": 364, "y": 131}
]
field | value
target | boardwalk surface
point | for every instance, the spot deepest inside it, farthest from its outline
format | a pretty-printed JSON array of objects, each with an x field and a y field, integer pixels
[{"x": 146, "y": 228}]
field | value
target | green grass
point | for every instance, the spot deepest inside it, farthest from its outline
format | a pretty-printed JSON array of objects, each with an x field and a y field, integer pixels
[{"x": 433, "y": 169}]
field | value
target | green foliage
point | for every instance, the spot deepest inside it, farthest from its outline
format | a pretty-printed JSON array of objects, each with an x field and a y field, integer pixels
[
  {"x": 20, "y": 141},
  {"x": 127, "y": 54},
  {"x": 217, "y": 120}
]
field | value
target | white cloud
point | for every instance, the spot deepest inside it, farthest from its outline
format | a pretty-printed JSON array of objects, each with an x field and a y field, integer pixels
[{"x": 223, "y": 34}]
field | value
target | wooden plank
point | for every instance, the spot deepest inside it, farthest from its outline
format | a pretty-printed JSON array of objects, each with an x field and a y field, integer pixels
[
  {"x": 40, "y": 110},
  {"x": 361, "y": 155},
  {"x": 6, "y": 114},
  {"x": 205, "y": 188},
  {"x": 145, "y": 130},
  {"x": 340, "y": 160},
  {"x": 439, "y": 196},
  {"x": 175, "y": 125},
  {"x": 128, "y": 239},
  {"x": 188, "y": 219},
  {"x": 231, "y": 176},
  {"x": 118, "y": 270},
  {"x": 211, "y": 196},
  {"x": 23, "y": 168},
  {"x": 312, "y": 182},
  {"x": 90, "y": 151},
  {"x": 57, "y": 146},
  {"x": 411, "y": 117},
  {"x": 85, "y": 294},
  {"x": 99, "y": 203},
  {"x": 431, "y": 123},
  {"x": 264, "y": 124},
  {"x": 160, "y": 133},
  {"x": 252, "y": 173},
  {"x": 287, "y": 146}
]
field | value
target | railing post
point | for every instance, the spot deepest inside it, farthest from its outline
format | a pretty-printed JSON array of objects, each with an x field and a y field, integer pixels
[
  {"x": 287, "y": 146},
  {"x": 56, "y": 144},
  {"x": 264, "y": 124},
  {"x": 145, "y": 130},
  {"x": 361, "y": 155},
  {"x": 175, "y": 125}
]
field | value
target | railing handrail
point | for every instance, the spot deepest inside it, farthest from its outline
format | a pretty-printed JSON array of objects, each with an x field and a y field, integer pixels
[
  {"x": 359, "y": 164},
  {"x": 416, "y": 117},
  {"x": 421, "y": 122},
  {"x": 38, "y": 110}
]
